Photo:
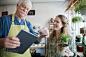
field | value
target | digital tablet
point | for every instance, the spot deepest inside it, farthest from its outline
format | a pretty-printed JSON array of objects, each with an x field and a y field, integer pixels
[{"x": 26, "y": 39}]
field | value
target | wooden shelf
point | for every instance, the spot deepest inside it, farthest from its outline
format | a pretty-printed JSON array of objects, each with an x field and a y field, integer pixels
[
  {"x": 50, "y": 27},
  {"x": 37, "y": 47}
]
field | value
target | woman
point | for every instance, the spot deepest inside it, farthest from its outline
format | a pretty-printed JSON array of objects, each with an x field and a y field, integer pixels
[{"x": 60, "y": 26}]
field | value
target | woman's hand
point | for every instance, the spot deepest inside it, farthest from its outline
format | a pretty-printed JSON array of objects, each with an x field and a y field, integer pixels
[
  {"x": 69, "y": 53},
  {"x": 44, "y": 32}
]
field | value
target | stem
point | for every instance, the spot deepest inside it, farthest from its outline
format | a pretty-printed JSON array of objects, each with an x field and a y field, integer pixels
[{"x": 62, "y": 43}]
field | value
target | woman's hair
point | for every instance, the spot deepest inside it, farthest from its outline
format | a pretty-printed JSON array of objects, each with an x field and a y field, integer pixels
[
  {"x": 28, "y": 2},
  {"x": 65, "y": 29}
]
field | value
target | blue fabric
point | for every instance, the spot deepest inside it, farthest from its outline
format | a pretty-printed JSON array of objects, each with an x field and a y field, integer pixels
[{"x": 5, "y": 24}]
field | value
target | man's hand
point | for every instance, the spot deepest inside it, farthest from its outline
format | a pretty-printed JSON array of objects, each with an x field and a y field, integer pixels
[
  {"x": 9, "y": 42},
  {"x": 44, "y": 32}
]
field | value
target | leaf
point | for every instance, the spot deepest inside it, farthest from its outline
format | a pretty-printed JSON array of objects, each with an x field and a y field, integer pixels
[{"x": 64, "y": 37}]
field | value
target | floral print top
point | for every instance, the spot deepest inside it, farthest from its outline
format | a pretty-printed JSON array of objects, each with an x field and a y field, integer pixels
[{"x": 52, "y": 48}]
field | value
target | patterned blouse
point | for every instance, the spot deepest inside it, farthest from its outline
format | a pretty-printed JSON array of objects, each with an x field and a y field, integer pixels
[{"x": 52, "y": 48}]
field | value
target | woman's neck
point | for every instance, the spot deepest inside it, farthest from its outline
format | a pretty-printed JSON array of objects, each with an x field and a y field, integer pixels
[
  {"x": 58, "y": 32},
  {"x": 20, "y": 18}
]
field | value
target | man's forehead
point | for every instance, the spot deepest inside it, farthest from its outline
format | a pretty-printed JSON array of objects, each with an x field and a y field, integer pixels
[{"x": 25, "y": 4}]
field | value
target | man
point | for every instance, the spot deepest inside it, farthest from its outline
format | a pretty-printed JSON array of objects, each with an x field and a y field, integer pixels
[{"x": 11, "y": 25}]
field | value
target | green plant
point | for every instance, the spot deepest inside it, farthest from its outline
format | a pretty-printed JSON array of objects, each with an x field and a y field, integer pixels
[
  {"x": 76, "y": 43},
  {"x": 77, "y": 19},
  {"x": 78, "y": 36},
  {"x": 65, "y": 38},
  {"x": 80, "y": 5},
  {"x": 43, "y": 43}
]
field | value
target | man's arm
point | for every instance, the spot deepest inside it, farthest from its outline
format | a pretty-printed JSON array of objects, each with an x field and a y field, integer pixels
[
  {"x": 43, "y": 32},
  {"x": 1, "y": 31}
]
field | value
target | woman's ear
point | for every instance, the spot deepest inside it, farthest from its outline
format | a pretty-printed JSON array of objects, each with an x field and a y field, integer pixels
[{"x": 17, "y": 5}]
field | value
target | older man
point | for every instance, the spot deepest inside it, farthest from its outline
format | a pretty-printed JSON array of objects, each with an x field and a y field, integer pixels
[{"x": 11, "y": 25}]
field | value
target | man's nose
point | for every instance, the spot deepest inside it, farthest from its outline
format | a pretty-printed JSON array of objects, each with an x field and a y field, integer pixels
[{"x": 25, "y": 10}]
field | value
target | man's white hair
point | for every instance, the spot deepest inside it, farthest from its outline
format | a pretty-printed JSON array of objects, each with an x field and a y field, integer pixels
[{"x": 28, "y": 2}]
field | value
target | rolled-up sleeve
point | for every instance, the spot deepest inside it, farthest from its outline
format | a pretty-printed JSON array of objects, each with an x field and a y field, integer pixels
[
  {"x": 35, "y": 33},
  {"x": 32, "y": 31}
]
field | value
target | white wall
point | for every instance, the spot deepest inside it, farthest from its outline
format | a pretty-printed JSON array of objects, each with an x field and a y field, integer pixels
[{"x": 43, "y": 12}]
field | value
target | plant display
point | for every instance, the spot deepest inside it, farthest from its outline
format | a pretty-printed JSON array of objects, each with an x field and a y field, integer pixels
[
  {"x": 78, "y": 36},
  {"x": 65, "y": 38},
  {"x": 63, "y": 44},
  {"x": 76, "y": 43},
  {"x": 77, "y": 19},
  {"x": 34, "y": 27},
  {"x": 80, "y": 5}
]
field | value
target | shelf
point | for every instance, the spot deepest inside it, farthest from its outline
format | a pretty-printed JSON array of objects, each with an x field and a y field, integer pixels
[
  {"x": 50, "y": 27},
  {"x": 37, "y": 47}
]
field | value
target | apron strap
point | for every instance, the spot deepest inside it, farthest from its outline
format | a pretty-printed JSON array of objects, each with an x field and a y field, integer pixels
[
  {"x": 13, "y": 19},
  {"x": 25, "y": 22},
  {"x": 13, "y": 16}
]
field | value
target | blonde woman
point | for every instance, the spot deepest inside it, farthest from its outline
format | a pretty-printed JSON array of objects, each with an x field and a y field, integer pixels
[{"x": 60, "y": 26}]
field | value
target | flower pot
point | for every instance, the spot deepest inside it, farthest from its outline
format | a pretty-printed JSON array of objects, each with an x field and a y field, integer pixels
[
  {"x": 79, "y": 48},
  {"x": 62, "y": 49},
  {"x": 83, "y": 11},
  {"x": 39, "y": 44},
  {"x": 35, "y": 45},
  {"x": 43, "y": 45},
  {"x": 78, "y": 39}
]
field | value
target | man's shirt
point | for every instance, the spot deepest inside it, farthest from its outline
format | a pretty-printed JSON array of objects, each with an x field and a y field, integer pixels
[{"x": 5, "y": 24}]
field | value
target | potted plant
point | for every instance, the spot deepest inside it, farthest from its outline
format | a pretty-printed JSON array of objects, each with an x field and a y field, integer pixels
[
  {"x": 63, "y": 44},
  {"x": 34, "y": 27},
  {"x": 80, "y": 7},
  {"x": 77, "y": 19},
  {"x": 78, "y": 38},
  {"x": 43, "y": 44},
  {"x": 33, "y": 52}
]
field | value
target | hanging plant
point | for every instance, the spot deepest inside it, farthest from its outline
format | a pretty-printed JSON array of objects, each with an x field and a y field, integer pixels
[
  {"x": 77, "y": 19},
  {"x": 80, "y": 6}
]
